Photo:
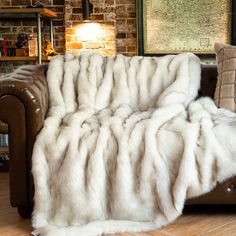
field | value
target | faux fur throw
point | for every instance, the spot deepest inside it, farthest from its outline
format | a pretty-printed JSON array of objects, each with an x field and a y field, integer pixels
[{"x": 124, "y": 144}]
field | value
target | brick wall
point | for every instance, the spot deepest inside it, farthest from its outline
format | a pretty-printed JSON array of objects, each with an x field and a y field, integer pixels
[
  {"x": 115, "y": 19},
  {"x": 11, "y": 28},
  {"x": 126, "y": 35}
]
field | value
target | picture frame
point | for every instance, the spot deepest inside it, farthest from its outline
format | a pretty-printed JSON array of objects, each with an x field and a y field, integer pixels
[{"x": 145, "y": 42}]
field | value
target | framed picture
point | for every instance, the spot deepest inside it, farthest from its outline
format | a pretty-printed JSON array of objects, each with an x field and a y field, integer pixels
[{"x": 173, "y": 26}]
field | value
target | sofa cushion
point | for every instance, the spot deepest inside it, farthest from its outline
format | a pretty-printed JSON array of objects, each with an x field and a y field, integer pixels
[{"x": 226, "y": 67}]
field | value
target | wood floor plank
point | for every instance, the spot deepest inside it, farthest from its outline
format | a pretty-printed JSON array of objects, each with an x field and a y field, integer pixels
[{"x": 196, "y": 223}]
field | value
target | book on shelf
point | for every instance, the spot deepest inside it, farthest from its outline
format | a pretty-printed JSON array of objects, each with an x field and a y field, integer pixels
[
  {"x": 3, "y": 140},
  {"x": 4, "y": 161},
  {"x": 4, "y": 155}
]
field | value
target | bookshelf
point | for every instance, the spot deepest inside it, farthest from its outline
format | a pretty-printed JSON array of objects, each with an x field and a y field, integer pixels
[
  {"x": 27, "y": 13},
  {"x": 26, "y": 58},
  {"x": 23, "y": 13},
  {"x": 3, "y": 150}
]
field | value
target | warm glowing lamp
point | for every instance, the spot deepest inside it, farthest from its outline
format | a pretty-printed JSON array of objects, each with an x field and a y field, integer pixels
[{"x": 89, "y": 31}]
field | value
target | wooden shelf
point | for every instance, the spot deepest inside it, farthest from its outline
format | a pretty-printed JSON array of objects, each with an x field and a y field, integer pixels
[
  {"x": 37, "y": 13},
  {"x": 3, "y": 128},
  {"x": 26, "y": 58},
  {"x": 4, "y": 150},
  {"x": 25, "y": 12}
]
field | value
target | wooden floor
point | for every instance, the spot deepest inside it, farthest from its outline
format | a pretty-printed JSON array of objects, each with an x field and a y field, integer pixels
[{"x": 197, "y": 221}]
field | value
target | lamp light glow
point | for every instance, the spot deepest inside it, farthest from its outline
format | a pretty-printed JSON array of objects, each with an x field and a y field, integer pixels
[{"x": 89, "y": 31}]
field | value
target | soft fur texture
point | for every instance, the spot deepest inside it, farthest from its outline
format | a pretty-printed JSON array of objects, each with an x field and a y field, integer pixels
[{"x": 125, "y": 144}]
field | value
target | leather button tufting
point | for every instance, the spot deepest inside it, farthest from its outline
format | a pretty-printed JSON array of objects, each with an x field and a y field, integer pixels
[{"x": 230, "y": 188}]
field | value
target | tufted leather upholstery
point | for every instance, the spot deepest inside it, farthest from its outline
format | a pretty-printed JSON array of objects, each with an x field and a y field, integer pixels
[
  {"x": 24, "y": 105},
  {"x": 28, "y": 84}
]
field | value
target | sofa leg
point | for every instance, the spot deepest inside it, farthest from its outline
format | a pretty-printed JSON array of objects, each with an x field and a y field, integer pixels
[{"x": 25, "y": 212}]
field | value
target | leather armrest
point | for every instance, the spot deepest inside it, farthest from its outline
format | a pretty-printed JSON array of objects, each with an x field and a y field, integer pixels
[
  {"x": 28, "y": 83},
  {"x": 23, "y": 106}
]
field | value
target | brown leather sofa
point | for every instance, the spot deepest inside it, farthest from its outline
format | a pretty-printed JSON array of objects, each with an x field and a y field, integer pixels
[{"x": 24, "y": 105}]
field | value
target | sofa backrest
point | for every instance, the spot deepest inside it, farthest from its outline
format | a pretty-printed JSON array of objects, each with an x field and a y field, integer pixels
[{"x": 208, "y": 80}]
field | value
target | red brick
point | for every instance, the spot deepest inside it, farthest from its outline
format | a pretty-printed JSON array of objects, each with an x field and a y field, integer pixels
[
  {"x": 109, "y": 23},
  {"x": 10, "y": 37},
  {"x": 129, "y": 54},
  {"x": 29, "y": 22},
  {"x": 70, "y": 31},
  {"x": 5, "y": 29},
  {"x": 126, "y": 28},
  {"x": 75, "y": 17},
  {"x": 121, "y": 49},
  {"x": 5, "y": 3},
  {"x": 60, "y": 15},
  {"x": 105, "y": 51},
  {"x": 109, "y": 9},
  {"x": 75, "y": 23},
  {"x": 109, "y": 45},
  {"x": 97, "y": 17},
  {"x": 97, "y": 10},
  {"x": 121, "y": 8},
  {"x": 56, "y": 9},
  {"x": 121, "y": 21},
  {"x": 20, "y": 3},
  {"x": 121, "y": 35},
  {"x": 96, "y": 45},
  {"x": 58, "y": 23},
  {"x": 125, "y": 14},
  {"x": 45, "y": 2},
  {"x": 10, "y": 22},
  {"x": 76, "y": 3},
  {"x": 68, "y": 38},
  {"x": 77, "y": 10},
  {"x": 59, "y": 36},
  {"x": 125, "y": 42},
  {"x": 108, "y": 26},
  {"x": 131, "y": 21},
  {"x": 22, "y": 29},
  {"x": 131, "y": 8},
  {"x": 68, "y": 24},
  {"x": 125, "y": 2},
  {"x": 106, "y": 37},
  {"x": 131, "y": 49},
  {"x": 131, "y": 35},
  {"x": 109, "y": 2},
  {"x": 68, "y": 10},
  {"x": 58, "y": 2},
  {"x": 59, "y": 44},
  {"x": 74, "y": 46},
  {"x": 59, "y": 29},
  {"x": 110, "y": 17}
]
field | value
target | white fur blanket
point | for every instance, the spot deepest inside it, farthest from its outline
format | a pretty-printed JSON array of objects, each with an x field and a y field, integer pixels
[{"x": 125, "y": 144}]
